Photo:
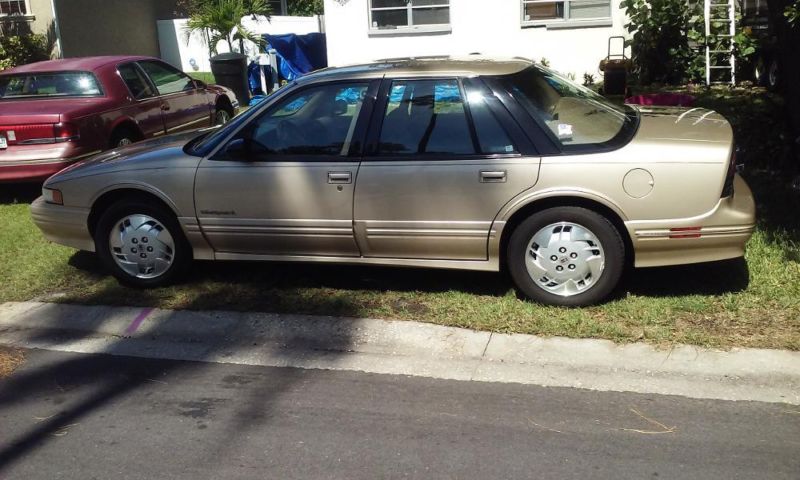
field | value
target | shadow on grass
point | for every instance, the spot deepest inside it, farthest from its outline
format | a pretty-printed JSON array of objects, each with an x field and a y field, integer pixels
[{"x": 11, "y": 193}]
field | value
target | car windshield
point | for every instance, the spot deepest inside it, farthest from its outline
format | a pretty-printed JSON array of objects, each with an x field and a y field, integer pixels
[
  {"x": 48, "y": 85},
  {"x": 574, "y": 115}
]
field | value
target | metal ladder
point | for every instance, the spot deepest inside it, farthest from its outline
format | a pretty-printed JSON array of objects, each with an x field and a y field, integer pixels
[{"x": 720, "y": 14}]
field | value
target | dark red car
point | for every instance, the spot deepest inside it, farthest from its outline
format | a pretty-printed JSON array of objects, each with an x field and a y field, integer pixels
[{"x": 56, "y": 112}]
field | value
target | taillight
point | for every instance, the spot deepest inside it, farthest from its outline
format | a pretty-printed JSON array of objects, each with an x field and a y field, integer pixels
[
  {"x": 727, "y": 187},
  {"x": 40, "y": 133},
  {"x": 66, "y": 132}
]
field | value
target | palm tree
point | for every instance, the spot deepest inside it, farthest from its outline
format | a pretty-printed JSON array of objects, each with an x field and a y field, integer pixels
[{"x": 219, "y": 20}]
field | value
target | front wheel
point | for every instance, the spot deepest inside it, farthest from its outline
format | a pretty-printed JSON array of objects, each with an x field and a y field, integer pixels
[
  {"x": 141, "y": 244},
  {"x": 567, "y": 256}
]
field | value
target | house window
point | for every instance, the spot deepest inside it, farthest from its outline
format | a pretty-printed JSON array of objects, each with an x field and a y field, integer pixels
[
  {"x": 537, "y": 12},
  {"x": 14, "y": 7},
  {"x": 409, "y": 14}
]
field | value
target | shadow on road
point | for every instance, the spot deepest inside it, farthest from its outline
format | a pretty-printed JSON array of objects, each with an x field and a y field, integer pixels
[{"x": 92, "y": 383}]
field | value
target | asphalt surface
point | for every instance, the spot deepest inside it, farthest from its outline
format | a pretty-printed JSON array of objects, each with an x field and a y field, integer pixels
[{"x": 65, "y": 415}]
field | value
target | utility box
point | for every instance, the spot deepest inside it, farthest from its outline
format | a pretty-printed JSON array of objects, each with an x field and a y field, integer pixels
[{"x": 230, "y": 70}]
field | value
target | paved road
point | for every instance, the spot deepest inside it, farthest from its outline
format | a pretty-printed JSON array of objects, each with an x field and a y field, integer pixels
[{"x": 80, "y": 416}]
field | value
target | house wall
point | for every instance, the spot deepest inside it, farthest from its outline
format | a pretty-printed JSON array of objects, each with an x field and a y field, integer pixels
[
  {"x": 107, "y": 27},
  {"x": 491, "y": 27},
  {"x": 192, "y": 53}
]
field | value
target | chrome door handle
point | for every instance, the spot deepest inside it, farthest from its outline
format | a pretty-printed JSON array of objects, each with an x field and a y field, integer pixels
[
  {"x": 493, "y": 176},
  {"x": 340, "y": 177}
]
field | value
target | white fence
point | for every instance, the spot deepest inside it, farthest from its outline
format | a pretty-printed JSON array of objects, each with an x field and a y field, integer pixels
[{"x": 191, "y": 53}]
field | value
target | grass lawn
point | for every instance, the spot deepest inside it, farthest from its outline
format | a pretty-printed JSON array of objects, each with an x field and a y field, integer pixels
[
  {"x": 205, "y": 77},
  {"x": 724, "y": 304},
  {"x": 753, "y": 303}
]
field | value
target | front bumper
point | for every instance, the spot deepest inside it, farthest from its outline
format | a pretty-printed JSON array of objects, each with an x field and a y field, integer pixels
[
  {"x": 720, "y": 234},
  {"x": 63, "y": 225}
]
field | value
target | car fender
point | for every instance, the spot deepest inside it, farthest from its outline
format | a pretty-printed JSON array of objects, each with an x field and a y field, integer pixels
[{"x": 533, "y": 196}]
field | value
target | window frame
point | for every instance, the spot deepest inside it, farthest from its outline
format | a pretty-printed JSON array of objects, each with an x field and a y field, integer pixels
[
  {"x": 566, "y": 22},
  {"x": 410, "y": 28},
  {"x": 27, "y": 15},
  {"x": 169, "y": 67},
  {"x": 356, "y": 139},
  {"x": 523, "y": 145},
  {"x": 144, "y": 75}
]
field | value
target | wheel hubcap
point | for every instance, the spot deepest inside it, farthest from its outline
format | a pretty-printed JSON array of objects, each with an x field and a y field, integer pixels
[
  {"x": 124, "y": 142},
  {"x": 565, "y": 259},
  {"x": 222, "y": 117},
  {"x": 141, "y": 246}
]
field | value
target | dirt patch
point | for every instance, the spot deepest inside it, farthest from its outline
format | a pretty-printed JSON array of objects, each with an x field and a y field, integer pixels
[{"x": 10, "y": 359}]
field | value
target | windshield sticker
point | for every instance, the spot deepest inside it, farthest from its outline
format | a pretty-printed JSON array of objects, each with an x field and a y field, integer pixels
[{"x": 564, "y": 130}]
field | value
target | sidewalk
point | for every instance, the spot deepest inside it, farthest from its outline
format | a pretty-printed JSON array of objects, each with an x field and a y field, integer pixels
[{"x": 404, "y": 348}]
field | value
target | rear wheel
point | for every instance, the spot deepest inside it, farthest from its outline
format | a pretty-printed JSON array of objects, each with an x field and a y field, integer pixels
[
  {"x": 122, "y": 137},
  {"x": 141, "y": 244},
  {"x": 568, "y": 256}
]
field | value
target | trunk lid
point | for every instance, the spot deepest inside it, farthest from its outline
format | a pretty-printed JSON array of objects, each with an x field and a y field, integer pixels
[{"x": 666, "y": 124}]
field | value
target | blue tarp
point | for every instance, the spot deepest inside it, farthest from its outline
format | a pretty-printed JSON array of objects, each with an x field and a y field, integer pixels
[{"x": 298, "y": 54}]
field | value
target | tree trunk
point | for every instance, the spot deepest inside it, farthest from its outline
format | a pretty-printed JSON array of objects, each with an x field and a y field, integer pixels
[{"x": 788, "y": 42}]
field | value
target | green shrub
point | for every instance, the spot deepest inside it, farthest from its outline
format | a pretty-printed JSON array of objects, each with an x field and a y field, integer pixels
[{"x": 21, "y": 49}]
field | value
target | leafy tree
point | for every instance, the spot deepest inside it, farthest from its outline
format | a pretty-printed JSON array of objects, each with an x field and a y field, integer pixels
[
  {"x": 220, "y": 20},
  {"x": 305, "y": 8},
  {"x": 21, "y": 49}
]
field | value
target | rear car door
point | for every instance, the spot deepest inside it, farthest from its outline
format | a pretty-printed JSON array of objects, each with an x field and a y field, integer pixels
[
  {"x": 438, "y": 170},
  {"x": 145, "y": 107},
  {"x": 283, "y": 184},
  {"x": 185, "y": 107}
]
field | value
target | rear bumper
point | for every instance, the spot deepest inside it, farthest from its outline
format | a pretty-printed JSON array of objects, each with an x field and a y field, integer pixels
[
  {"x": 718, "y": 235},
  {"x": 63, "y": 225},
  {"x": 38, "y": 163}
]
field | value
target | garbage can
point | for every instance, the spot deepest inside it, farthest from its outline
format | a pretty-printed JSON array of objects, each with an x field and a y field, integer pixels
[{"x": 230, "y": 70}]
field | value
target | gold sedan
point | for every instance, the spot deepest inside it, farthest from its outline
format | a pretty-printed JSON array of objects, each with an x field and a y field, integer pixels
[{"x": 444, "y": 163}]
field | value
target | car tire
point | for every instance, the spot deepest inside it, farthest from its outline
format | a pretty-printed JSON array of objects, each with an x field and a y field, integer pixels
[
  {"x": 222, "y": 116},
  {"x": 566, "y": 256},
  {"x": 148, "y": 248},
  {"x": 122, "y": 137}
]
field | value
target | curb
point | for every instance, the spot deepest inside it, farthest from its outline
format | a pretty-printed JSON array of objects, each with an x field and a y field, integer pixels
[{"x": 404, "y": 348}]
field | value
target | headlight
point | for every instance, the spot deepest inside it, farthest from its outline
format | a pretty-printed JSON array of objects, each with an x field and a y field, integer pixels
[{"x": 52, "y": 195}]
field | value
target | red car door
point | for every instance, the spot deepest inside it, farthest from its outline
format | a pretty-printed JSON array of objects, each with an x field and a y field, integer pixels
[
  {"x": 145, "y": 108},
  {"x": 185, "y": 106}
]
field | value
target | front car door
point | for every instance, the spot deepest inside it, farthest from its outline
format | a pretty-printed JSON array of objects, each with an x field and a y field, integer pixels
[
  {"x": 184, "y": 105},
  {"x": 283, "y": 184},
  {"x": 438, "y": 170}
]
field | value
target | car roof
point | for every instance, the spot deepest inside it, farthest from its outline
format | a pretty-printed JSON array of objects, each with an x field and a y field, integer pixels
[
  {"x": 469, "y": 66},
  {"x": 74, "y": 64}
]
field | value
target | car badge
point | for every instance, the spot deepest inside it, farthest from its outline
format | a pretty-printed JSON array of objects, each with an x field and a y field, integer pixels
[{"x": 11, "y": 135}]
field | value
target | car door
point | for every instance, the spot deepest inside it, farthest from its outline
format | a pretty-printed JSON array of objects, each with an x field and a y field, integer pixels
[
  {"x": 438, "y": 170},
  {"x": 184, "y": 106},
  {"x": 144, "y": 106},
  {"x": 283, "y": 184}
]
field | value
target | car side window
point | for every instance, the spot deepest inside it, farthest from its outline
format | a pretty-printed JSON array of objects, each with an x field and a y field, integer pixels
[
  {"x": 425, "y": 117},
  {"x": 316, "y": 121},
  {"x": 137, "y": 84},
  {"x": 492, "y": 137},
  {"x": 167, "y": 79}
]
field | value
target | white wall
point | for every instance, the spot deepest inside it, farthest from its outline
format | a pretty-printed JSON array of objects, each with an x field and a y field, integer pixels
[
  {"x": 179, "y": 51},
  {"x": 491, "y": 27}
]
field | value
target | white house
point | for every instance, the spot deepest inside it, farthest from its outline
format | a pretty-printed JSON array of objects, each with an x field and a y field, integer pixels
[{"x": 572, "y": 35}]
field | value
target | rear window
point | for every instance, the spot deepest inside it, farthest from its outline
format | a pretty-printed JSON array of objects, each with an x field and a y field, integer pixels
[
  {"x": 49, "y": 85},
  {"x": 575, "y": 116}
]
